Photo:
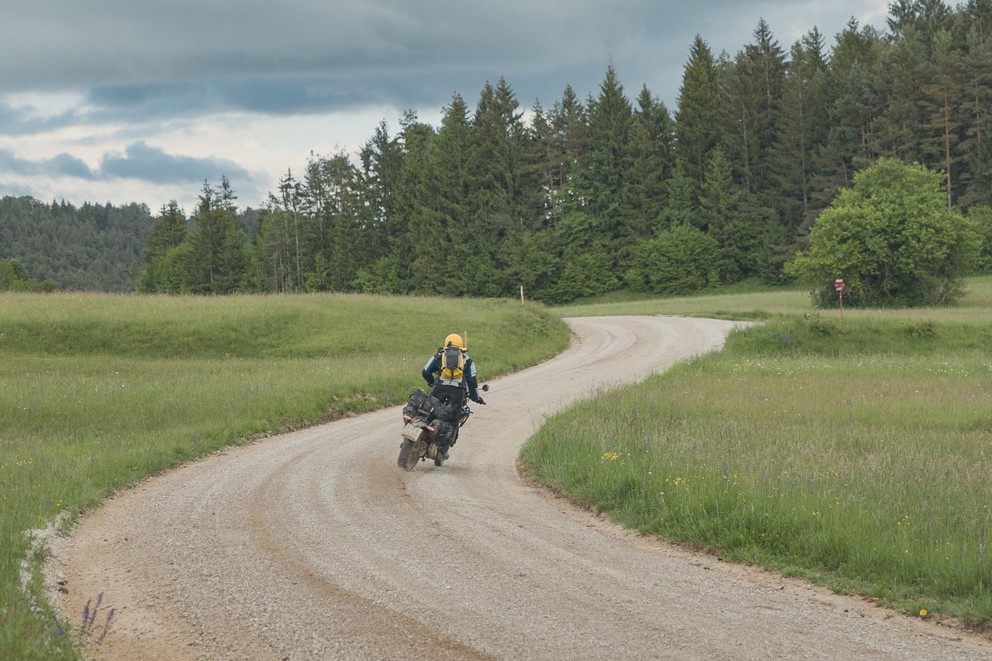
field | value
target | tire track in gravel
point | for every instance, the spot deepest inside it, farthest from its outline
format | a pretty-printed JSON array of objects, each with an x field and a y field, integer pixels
[{"x": 314, "y": 545}]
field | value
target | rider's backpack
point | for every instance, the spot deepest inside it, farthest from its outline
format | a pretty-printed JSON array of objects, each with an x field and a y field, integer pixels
[{"x": 452, "y": 363}]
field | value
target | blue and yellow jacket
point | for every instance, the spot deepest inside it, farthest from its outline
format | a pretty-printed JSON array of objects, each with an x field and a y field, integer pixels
[{"x": 469, "y": 380}]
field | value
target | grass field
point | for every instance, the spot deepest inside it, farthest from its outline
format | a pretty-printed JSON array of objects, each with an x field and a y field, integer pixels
[
  {"x": 850, "y": 451},
  {"x": 857, "y": 456},
  {"x": 100, "y": 391}
]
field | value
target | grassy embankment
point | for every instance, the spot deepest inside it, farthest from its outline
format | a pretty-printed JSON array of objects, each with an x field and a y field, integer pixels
[
  {"x": 100, "y": 391},
  {"x": 857, "y": 456}
]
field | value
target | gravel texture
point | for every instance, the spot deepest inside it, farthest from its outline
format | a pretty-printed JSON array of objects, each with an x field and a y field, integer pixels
[{"x": 314, "y": 545}]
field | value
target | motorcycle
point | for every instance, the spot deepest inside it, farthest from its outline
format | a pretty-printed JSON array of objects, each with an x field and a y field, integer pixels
[{"x": 429, "y": 424}]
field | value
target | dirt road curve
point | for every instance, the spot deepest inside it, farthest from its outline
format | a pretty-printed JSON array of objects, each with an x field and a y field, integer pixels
[{"x": 314, "y": 545}]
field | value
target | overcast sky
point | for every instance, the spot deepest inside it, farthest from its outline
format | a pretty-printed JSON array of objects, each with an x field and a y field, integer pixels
[{"x": 131, "y": 101}]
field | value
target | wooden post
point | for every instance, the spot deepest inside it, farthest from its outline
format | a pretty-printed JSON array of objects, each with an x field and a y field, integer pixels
[{"x": 839, "y": 286}]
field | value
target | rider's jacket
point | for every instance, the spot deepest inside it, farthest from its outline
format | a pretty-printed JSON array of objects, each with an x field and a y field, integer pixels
[{"x": 469, "y": 382}]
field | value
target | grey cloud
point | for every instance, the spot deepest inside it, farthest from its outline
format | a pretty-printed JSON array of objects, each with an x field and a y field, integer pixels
[
  {"x": 301, "y": 56},
  {"x": 139, "y": 162},
  {"x": 272, "y": 96},
  {"x": 104, "y": 41},
  {"x": 62, "y": 165},
  {"x": 283, "y": 96},
  {"x": 152, "y": 164},
  {"x": 11, "y": 164},
  {"x": 15, "y": 190},
  {"x": 308, "y": 55},
  {"x": 21, "y": 121}
]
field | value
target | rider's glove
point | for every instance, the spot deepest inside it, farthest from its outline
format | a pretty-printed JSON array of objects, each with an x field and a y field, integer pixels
[{"x": 480, "y": 401}]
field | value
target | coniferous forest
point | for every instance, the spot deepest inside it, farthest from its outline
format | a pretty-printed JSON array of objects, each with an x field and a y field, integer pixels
[{"x": 583, "y": 196}]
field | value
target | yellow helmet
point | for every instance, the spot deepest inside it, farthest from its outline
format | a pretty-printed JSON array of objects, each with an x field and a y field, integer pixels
[{"x": 455, "y": 339}]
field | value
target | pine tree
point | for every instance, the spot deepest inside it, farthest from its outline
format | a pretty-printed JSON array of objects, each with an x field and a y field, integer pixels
[
  {"x": 856, "y": 102},
  {"x": 455, "y": 254},
  {"x": 753, "y": 90},
  {"x": 219, "y": 261},
  {"x": 907, "y": 72},
  {"x": 596, "y": 203},
  {"x": 604, "y": 181},
  {"x": 506, "y": 189},
  {"x": 379, "y": 178},
  {"x": 650, "y": 149},
  {"x": 802, "y": 130},
  {"x": 920, "y": 16},
  {"x": 168, "y": 231},
  {"x": 344, "y": 228},
  {"x": 942, "y": 99},
  {"x": 719, "y": 212},
  {"x": 698, "y": 116},
  {"x": 683, "y": 201},
  {"x": 381, "y": 160},
  {"x": 415, "y": 255},
  {"x": 567, "y": 123},
  {"x": 974, "y": 26}
]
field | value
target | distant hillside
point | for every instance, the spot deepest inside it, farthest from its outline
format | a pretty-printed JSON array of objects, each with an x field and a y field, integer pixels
[{"x": 90, "y": 248}]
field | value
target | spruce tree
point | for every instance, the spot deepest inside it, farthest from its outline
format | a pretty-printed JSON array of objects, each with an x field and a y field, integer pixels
[
  {"x": 596, "y": 205},
  {"x": 697, "y": 119},
  {"x": 975, "y": 30},
  {"x": 219, "y": 261},
  {"x": 856, "y": 101},
  {"x": 802, "y": 130},
  {"x": 719, "y": 212},
  {"x": 415, "y": 255},
  {"x": 168, "y": 231},
  {"x": 753, "y": 90},
  {"x": 506, "y": 189},
  {"x": 567, "y": 121},
  {"x": 650, "y": 150}
]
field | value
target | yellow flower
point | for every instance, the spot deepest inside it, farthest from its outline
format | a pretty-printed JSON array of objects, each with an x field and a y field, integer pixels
[
  {"x": 923, "y": 612},
  {"x": 610, "y": 456}
]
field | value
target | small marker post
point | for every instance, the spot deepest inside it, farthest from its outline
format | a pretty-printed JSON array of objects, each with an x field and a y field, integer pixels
[{"x": 839, "y": 286}]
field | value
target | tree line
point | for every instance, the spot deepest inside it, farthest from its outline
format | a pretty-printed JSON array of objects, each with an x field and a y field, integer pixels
[
  {"x": 597, "y": 194},
  {"x": 95, "y": 247}
]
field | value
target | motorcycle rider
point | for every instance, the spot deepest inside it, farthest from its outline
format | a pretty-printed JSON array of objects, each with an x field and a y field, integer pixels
[{"x": 449, "y": 385}]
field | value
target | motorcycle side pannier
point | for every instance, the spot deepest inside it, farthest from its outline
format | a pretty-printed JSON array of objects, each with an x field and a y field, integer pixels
[
  {"x": 420, "y": 404},
  {"x": 445, "y": 432}
]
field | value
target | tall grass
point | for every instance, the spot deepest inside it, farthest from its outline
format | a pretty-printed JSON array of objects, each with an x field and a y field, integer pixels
[
  {"x": 99, "y": 391},
  {"x": 858, "y": 457}
]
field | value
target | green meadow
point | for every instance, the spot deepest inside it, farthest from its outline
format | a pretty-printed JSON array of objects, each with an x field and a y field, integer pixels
[
  {"x": 850, "y": 451},
  {"x": 99, "y": 391},
  {"x": 854, "y": 451}
]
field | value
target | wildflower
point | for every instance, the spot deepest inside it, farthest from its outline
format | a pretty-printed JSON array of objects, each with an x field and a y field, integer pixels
[
  {"x": 610, "y": 456},
  {"x": 923, "y": 612}
]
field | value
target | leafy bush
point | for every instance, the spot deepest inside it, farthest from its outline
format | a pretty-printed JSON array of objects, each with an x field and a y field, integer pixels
[
  {"x": 675, "y": 262},
  {"x": 892, "y": 239}
]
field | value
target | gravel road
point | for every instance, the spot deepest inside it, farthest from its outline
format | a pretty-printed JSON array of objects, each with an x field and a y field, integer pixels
[{"x": 314, "y": 545}]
